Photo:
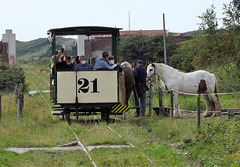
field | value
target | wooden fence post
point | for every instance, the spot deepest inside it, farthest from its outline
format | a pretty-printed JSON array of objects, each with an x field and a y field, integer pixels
[
  {"x": 136, "y": 101},
  {"x": 18, "y": 109},
  {"x": 19, "y": 100},
  {"x": 160, "y": 101},
  {"x": 198, "y": 112},
  {"x": 171, "y": 98}
]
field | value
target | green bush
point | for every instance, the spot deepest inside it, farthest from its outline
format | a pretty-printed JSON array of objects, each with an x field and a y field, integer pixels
[
  {"x": 228, "y": 77},
  {"x": 10, "y": 76}
]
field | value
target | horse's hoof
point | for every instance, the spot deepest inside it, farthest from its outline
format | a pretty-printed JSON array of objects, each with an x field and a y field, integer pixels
[{"x": 207, "y": 114}]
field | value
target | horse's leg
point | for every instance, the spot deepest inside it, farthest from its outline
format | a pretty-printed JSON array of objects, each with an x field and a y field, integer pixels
[
  {"x": 128, "y": 94},
  {"x": 208, "y": 106},
  {"x": 176, "y": 105},
  {"x": 216, "y": 103}
]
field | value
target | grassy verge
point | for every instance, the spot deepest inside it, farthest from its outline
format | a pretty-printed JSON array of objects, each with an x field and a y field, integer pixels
[{"x": 37, "y": 128}]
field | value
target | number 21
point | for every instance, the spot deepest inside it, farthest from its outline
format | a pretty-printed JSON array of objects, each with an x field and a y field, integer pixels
[{"x": 84, "y": 85}]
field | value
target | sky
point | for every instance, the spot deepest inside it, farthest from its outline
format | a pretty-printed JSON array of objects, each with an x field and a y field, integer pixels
[{"x": 31, "y": 19}]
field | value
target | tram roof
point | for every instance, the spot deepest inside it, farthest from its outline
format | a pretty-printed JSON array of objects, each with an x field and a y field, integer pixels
[{"x": 84, "y": 30}]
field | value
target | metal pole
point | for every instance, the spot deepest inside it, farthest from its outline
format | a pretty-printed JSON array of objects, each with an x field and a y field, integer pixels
[
  {"x": 164, "y": 40},
  {"x": 136, "y": 101},
  {"x": 150, "y": 100},
  {"x": 76, "y": 98},
  {"x": 21, "y": 104},
  {"x": 198, "y": 112},
  {"x": 160, "y": 101},
  {"x": 171, "y": 98},
  {"x": 129, "y": 19}
]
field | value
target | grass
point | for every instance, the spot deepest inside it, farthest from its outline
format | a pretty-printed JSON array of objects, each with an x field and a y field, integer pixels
[
  {"x": 36, "y": 129},
  {"x": 97, "y": 134},
  {"x": 147, "y": 144},
  {"x": 44, "y": 158},
  {"x": 218, "y": 138},
  {"x": 160, "y": 139}
]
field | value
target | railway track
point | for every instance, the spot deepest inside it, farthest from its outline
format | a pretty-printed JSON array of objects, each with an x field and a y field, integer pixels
[{"x": 87, "y": 149}]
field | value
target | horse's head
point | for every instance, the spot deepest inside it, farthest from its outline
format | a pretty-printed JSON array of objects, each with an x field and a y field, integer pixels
[{"x": 150, "y": 71}]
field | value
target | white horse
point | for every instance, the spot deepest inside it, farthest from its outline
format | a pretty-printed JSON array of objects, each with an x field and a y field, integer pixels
[{"x": 197, "y": 82}]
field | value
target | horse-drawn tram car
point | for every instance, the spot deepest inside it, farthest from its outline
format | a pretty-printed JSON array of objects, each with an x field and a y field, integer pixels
[{"x": 86, "y": 92}]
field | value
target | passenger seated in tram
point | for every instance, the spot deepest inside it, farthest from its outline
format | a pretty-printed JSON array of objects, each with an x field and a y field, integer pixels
[
  {"x": 52, "y": 60},
  {"x": 102, "y": 63},
  {"x": 92, "y": 62},
  {"x": 75, "y": 60},
  {"x": 57, "y": 58},
  {"x": 111, "y": 62},
  {"x": 83, "y": 65},
  {"x": 70, "y": 63},
  {"x": 65, "y": 63}
]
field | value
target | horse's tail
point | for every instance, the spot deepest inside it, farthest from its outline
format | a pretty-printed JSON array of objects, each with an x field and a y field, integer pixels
[
  {"x": 216, "y": 87},
  {"x": 122, "y": 88},
  {"x": 216, "y": 91}
]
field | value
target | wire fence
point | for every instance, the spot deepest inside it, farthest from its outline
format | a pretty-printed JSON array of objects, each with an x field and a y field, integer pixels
[
  {"x": 10, "y": 100},
  {"x": 186, "y": 96}
]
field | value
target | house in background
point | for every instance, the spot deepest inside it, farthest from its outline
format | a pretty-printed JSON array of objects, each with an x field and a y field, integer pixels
[
  {"x": 99, "y": 43},
  {"x": 3, "y": 51},
  {"x": 8, "y": 47},
  {"x": 143, "y": 32}
]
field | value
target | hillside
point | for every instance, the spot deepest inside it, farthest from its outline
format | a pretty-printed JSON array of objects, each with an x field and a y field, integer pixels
[{"x": 39, "y": 48}]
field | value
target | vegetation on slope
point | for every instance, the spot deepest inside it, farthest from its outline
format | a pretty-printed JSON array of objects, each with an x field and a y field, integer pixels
[{"x": 39, "y": 48}]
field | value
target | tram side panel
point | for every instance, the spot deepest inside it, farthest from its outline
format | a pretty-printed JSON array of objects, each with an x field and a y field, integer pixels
[
  {"x": 88, "y": 86},
  {"x": 66, "y": 87}
]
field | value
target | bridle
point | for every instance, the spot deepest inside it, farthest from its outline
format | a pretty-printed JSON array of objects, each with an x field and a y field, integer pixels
[{"x": 153, "y": 75}]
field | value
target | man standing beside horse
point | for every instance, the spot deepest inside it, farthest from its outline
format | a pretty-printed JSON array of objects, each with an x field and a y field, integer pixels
[{"x": 140, "y": 75}]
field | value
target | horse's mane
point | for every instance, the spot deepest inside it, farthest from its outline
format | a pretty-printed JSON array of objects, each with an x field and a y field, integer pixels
[
  {"x": 126, "y": 64},
  {"x": 169, "y": 67}
]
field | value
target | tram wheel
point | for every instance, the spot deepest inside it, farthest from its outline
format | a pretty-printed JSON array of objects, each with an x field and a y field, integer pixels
[
  {"x": 105, "y": 116},
  {"x": 68, "y": 115}
]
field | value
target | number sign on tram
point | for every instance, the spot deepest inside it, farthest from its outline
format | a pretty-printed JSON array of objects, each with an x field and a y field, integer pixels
[
  {"x": 84, "y": 85},
  {"x": 93, "y": 87}
]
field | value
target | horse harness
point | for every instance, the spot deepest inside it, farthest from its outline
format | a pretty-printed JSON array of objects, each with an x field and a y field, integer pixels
[{"x": 153, "y": 75}]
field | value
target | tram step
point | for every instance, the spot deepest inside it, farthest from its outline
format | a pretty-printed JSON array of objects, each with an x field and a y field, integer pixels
[
  {"x": 135, "y": 107},
  {"x": 56, "y": 112},
  {"x": 56, "y": 107}
]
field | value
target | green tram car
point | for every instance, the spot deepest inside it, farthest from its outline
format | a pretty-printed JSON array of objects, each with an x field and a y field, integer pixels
[{"x": 88, "y": 92}]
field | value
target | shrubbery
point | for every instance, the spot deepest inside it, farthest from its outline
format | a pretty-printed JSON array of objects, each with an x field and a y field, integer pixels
[
  {"x": 228, "y": 76},
  {"x": 10, "y": 76}
]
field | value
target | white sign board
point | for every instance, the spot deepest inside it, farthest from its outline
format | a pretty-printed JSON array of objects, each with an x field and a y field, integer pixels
[{"x": 88, "y": 86}]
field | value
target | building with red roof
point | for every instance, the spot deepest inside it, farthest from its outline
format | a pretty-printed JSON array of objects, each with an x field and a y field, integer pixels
[{"x": 100, "y": 43}]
